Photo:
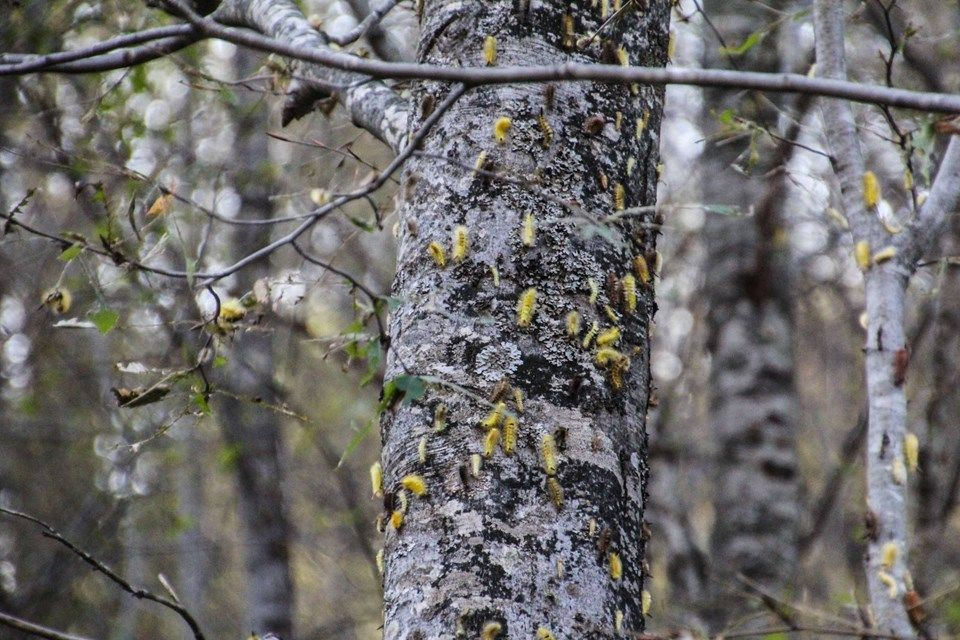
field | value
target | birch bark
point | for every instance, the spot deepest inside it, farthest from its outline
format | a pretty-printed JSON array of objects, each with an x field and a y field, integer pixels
[{"x": 887, "y": 570}]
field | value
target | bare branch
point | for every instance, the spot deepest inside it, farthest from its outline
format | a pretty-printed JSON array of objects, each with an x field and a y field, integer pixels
[
  {"x": 894, "y": 30},
  {"x": 309, "y": 220},
  {"x": 35, "y": 629},
  {"x": 123, "y": 58},
  {"x": 41, "y": 62},
  {"x": 776, "y": 82},
  {"x": 372, "y": 105},
  {"x": 397, "y": 162},
  {"x": 942, "y": 202},
  {"x": 825, "y": 85},
  {"x": 137, "y": 592},
  {"x": 370, "y": 27},
  {"x": 374, "y": 298}
]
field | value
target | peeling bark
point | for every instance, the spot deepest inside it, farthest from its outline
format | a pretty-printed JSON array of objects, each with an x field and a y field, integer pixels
[{"x": 494, "y": 548}]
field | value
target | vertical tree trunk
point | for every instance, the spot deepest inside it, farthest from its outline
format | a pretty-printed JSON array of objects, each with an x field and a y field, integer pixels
[
  {"x": 255, "y": 435},
  {"x": 134, "y": 570},
  {"x": 937, "y": 471},
  {"x": 500, "y": 548},
  {"x": 255, "y": 432},
  {"x": 753, "y": 399},
  {"x": 193, "y": 547}
]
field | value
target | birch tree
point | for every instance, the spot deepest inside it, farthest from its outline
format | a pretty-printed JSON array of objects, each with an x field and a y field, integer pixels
[
  {"x": 887, "y": 251},
  {"x": 748, "y": 286}
]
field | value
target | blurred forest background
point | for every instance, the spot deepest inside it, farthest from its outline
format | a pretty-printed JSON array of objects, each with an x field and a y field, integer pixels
[{"x": 270, "y": 470}]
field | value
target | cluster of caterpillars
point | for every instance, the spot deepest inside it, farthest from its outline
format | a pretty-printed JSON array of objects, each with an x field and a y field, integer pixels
[
  {"x": 621, "y": 291},
  {"x": 862, "y": 252}
]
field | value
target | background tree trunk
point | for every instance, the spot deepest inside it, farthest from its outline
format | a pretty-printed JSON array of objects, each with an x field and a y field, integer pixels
[
  {"x": 747, "y": 283},
  {"x": 253, "y": 432},
  {"x": 494, "y": 548}
]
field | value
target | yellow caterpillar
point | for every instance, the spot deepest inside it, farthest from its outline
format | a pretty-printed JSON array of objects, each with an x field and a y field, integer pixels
[{"x": 526, "y": 305}]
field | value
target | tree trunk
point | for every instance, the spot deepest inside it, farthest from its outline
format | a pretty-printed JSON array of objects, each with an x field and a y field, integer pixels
[
  {"x": 193, "y": 548},
  {"x": 502, "y": 547},
  {"x": 753, "y": 399},
  {"x": 255, "y": 432}
]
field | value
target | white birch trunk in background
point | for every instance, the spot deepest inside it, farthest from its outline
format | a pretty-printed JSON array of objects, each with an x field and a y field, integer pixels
[
  {"x": 747, "y": 285},
  {"x": 477, "y": 552}
]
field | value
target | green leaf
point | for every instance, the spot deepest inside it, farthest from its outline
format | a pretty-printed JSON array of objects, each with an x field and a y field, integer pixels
[
  {"x": 105, "y": 320},
  {"x": 413, "y": 387},
  {"x": 201, "y": 401},
  {"x": 374, "y": 357},
  {"x": 389, "y": 391},
  {"x": 191, "y": 269},
  {"x": 219, "y": 361},
  {"x": 70, "y": 253},
  {"x": 366, "y": 226},
  {"x": 951, "y": 613},
  {"x": 138, "y": 78},
  {"x": 23, "y": 202},
  {"x": 228, "y": 96},
  {"x": 726, "y": 116},
  {"x": 749, "y": 43}
]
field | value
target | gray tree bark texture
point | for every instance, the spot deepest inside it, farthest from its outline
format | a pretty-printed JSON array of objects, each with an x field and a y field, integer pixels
[
  {"x": 938, "y": 472},
  {"x": 498, "y": 550},
  {"x": 753, "y": 399}
]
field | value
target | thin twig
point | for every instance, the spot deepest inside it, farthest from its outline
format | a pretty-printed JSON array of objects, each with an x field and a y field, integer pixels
[
  {"x": 375, "y": 299},
  {"x": 311, "y": 219},
  {"x": 477, "y": 76},
  {"x": 137, "y": 592},
  {"x": 35, "y": 629},
  {"x": 373, "y": 18}
]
